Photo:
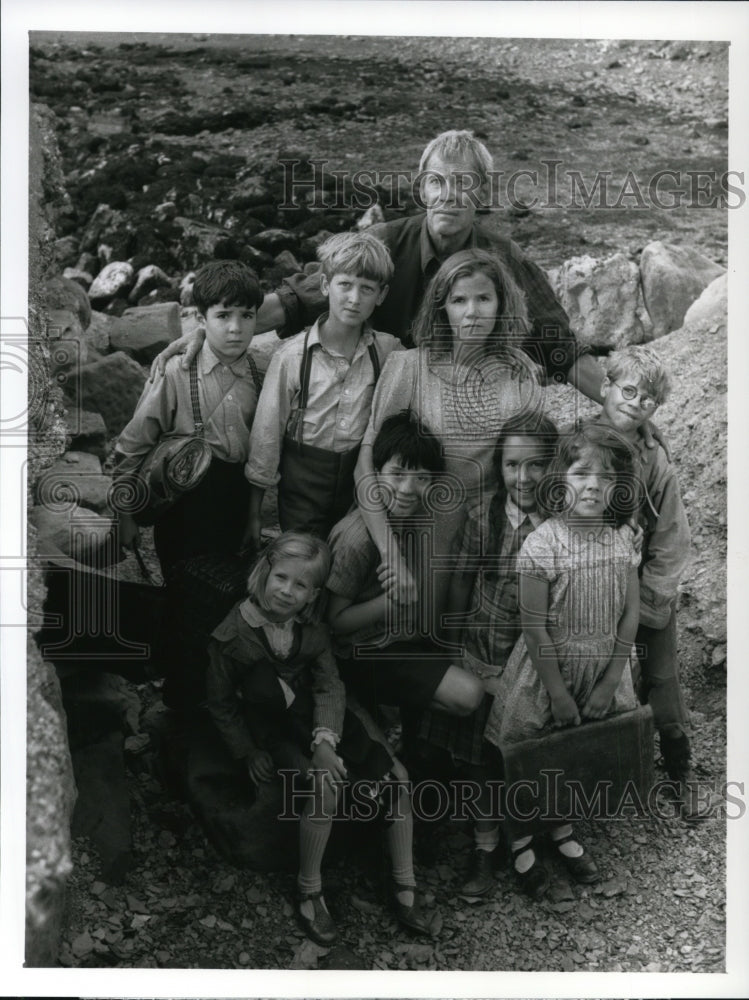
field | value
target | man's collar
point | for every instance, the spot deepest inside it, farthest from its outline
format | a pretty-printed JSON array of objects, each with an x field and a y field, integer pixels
[
  {"x": 429, "y": 251},
  {"x": 516, "y": 516}
]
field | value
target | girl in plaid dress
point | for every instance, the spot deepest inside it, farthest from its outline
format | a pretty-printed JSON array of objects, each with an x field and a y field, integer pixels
[{"x": 483, "y": 604}]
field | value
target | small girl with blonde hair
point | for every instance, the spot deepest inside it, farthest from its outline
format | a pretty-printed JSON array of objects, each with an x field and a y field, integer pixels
[{"x": 276, "y": 698}]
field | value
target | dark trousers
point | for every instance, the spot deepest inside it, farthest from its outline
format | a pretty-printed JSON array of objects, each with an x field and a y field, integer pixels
[
  {"x": 210, "y": 518},
  {"x": 656, "y": 650},
  {"x": 316, "y": 488},
  {"x": 208, "y": 521}
]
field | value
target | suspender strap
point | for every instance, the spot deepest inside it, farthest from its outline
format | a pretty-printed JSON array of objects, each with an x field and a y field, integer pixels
[
  {"x": 304, "y": 376},
  {"x": 375, "y": 359},
  {"x": 195, "y": 399},
  {"x": 256, "y": 378}
]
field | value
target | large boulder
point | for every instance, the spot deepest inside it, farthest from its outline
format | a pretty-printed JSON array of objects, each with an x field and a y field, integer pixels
[
  {"x": 602, "y": 299},
  {"x": 712, "y": 305},
  {"x": 144, "y": 331},
  {"x": 110, "y": 386},
  {"x": 672, "y": 278},
  {"x": 64, "y": 294},
  {"x": 113, "y": 281},
  {"x": 88, "y": 432},
  {"x": 50, "y": 789},
  {"x": 74, "y": 531}
]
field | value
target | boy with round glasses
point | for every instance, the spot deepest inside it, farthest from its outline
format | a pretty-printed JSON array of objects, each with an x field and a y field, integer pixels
[{"x": 635, "y": 385}]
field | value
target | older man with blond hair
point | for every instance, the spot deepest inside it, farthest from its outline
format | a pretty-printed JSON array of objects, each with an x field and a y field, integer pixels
[{"x": 454, "y": 173}]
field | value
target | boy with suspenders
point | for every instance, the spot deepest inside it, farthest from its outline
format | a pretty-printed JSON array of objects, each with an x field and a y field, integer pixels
[{"x": 316, "y": 398}]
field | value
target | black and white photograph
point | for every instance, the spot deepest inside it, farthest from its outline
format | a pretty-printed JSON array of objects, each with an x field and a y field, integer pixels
[{"x": 369, "y": 583}]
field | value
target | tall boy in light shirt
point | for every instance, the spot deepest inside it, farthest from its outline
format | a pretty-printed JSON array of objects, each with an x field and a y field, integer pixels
[{"x": 317, "y": 394}]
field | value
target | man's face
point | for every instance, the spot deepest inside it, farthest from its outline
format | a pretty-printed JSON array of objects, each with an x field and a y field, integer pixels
[{"x": 450, "y": 192}]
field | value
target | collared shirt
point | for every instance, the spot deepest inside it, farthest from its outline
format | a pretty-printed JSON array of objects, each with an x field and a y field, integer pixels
[
  {"x": 338, "y": 405},
  {"x": 227, "y": 398},
  {"x": 550, "y": 341},
  {"x": 516, "y": 516}
]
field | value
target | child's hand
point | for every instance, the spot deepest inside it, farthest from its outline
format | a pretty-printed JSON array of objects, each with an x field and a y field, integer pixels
[
  {"x": 324, "y": 758},
  {"x": 189, "y": 345},
  {"x": 653, "y": 437},
  {"x": 564, "y": 710},
  {"x": 638, "y": 533},
  {"x": 597, "y": 705},
  {"x": 260, "y": 766},
  {"x": 398, "y": 583}
]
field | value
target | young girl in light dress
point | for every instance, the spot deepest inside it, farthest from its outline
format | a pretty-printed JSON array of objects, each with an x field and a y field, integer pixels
[
  {"x": 276, "y": 698},
  {"x": 579, "y": 600}
]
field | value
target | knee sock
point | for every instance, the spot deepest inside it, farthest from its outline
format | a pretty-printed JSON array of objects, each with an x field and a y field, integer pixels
[
  {"x": 572, "y": 849},
  {"x": 486, "y": 840},
  {"x": 524, "y": 859},
  {"x": 399, "y": 839},
  {"x": 314, "y": 833}
]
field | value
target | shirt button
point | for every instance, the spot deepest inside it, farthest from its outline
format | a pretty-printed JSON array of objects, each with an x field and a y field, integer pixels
[
  {"x": 346, "y": 392},
  {"x": 229, "y": 396},
  {"x": 343, "y": 423},
  {"x": 231, "y": 427}
]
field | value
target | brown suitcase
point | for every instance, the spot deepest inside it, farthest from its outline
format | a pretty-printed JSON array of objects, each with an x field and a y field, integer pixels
[{"x": 598, "y": 770}]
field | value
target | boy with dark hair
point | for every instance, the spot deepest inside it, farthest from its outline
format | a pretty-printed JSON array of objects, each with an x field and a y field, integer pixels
[
  {"x": 636, "y": 384},
  {"x": 379, "y": 648},
  {"x": 315, "y": 403},
  {"x": 227, "y": 294}
]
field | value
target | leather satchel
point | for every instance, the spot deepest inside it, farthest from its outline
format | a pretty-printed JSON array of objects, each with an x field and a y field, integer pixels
[{"x": 176, "y": 465}]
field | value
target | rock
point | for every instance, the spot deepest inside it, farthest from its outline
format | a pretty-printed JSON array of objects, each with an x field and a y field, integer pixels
[
  {"x": 198, "y": 240},
  {"x": 76, "y": 462},
  {"x": 241, "y": 821},
  {"x": 309, "y": 246},
  {"x": 166, "y": 210},
  {"x": 100, "y": 708},
  {"x": 102, "y": 221},
  {"x": 273, "y": 241},
  {"x": 146, "y": 280},
  {"x": 371, "y": 217},
  {"x": 82, "y": 278},
  {"x": 99, "y": 330},
  {"x": 601, "y": 299},
  {"x": 58, "y": 489},
  {"x": 50, "y": 788},
  {"x": 68, "y": 349},
  {"x": 672, "y": 278},
  {"x": 719, "y": 654},
  {"x": 76, "y": 532},
  {"x": 144, "y": 331},
  {"x": 287, "y": 263},
  {"x": 113, "y": 281},
  {"x": 110, "y": 386},
  {"x": 88, "y": 432},
  {"x": 712, "y": 305},
  {"x": 61, "y": 294},
  {"x": 249, "y": 192},
  {"x": 88, "y": 263},
  {"x": 66, "y": 251}
]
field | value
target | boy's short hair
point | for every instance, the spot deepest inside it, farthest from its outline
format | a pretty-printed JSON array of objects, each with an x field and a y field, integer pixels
[
  {"x": 459, "y": 144},
  {"x": 643, "y": 361},
  {"x": 359, "y": 254},
  {"x": 227, "y": 281},
  {"x": 404, "y": 436}
]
